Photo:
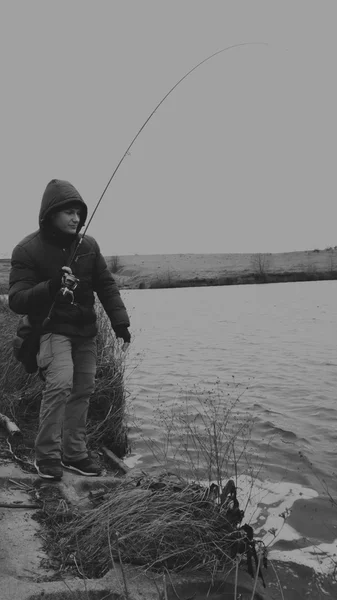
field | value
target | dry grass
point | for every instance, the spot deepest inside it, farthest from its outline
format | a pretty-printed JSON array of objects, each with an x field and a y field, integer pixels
[
  {"x": 205, "y": 436},
  {"x": 106, "y": 417},
  {"x": 170, "y": 527},
  {"x": 5, "y": 264},
  {"x": 21, "y": 393}
]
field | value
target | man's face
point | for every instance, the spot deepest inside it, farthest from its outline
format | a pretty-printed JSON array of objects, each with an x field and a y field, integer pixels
[{"x": 68, "y": 219}]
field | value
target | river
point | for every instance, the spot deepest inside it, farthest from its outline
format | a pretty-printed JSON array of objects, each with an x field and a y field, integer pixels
[{"x": 271, "y": 350}]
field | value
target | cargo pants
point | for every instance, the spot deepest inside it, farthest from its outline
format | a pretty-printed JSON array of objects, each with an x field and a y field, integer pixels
[{"x": 68, "y": 365}]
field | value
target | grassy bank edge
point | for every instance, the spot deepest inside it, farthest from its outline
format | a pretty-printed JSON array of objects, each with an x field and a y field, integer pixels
[{"x": 241, "y": 279}]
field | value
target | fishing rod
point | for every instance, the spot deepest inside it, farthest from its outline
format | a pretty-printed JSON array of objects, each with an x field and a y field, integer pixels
[
  {"x": 77, "y": 247},
  {"x": 146, "y": 122}
]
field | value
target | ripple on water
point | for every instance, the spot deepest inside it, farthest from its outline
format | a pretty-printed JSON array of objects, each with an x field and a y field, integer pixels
[{"x": 277, "y": 343}]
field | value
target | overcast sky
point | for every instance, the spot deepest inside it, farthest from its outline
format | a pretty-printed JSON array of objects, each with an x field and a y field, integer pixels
[{"x": 240, "y": 158}]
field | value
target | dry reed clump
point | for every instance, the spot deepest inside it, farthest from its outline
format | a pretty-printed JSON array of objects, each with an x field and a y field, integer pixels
[
  {"x": 3, "y": 288},
  {"x": 172, "y": 527},
  {"x": 106, "y": 417},
  {"x": 21, "y": 393},
  {"x": 206, "y": 436}
]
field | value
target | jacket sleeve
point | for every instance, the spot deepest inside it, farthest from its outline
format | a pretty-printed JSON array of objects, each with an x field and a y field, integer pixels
[
  {"x": 108, "y": 293},
  {"x": 26, "y": 293}
]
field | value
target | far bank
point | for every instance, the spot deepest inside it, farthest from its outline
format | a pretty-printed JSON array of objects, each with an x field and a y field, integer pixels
[
  {"x": 151, "y": 271},
  {"x": 195, "y": 270}
]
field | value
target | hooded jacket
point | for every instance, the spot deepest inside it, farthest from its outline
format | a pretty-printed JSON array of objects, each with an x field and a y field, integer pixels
[{"x": 37, "y": 261}]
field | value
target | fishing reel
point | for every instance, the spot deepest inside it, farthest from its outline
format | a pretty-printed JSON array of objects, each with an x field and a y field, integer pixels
[{"x": 69, "y": 283}]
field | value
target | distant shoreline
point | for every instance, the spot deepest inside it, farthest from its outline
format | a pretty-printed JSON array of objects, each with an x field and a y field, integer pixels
[
  {"x": 199, "y": 270},
  {"x": 246, "y": 279},
  {"x": 155, "y": 271}
]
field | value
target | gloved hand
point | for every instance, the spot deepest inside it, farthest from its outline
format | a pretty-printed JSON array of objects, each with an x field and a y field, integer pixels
[
  {"x": 122, "y": 331},
  {"x": 68, "y": 279},
  {"x": 64, "y": 278}
]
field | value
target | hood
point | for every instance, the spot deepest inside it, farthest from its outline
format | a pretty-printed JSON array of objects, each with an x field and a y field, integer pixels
[{"x": 57, "y": 194}]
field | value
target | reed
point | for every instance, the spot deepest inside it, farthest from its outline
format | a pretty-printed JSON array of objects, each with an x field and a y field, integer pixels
[
  {"x": 171, "y": 528},
  {"x": 206, "y": 435}
]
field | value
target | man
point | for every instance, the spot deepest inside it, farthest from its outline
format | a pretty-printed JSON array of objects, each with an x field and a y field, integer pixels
[{"x": 40, "y": 278}]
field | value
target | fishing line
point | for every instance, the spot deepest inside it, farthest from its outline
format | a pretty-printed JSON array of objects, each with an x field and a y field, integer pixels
[
  {"x": 146, "y": 122},
  {"x": 76, "y": 249}
]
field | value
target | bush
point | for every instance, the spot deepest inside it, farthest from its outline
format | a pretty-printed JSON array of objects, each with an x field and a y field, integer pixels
[
  {"x": 206, "y": 437},
  {"x": 175, "y": 527},
  {"x": 164, "y": 281},
  {"x": 114, "y": 264},
  {"x": 260, "y": 265}
]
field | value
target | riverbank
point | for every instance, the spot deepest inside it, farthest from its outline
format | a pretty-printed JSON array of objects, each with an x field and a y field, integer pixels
[
  {"x": 194, "y": 270},
  {"x": 187, "y": 270}
]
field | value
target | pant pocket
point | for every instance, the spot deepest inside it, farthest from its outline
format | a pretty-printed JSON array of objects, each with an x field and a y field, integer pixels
[{"x": 45, "y": 354}]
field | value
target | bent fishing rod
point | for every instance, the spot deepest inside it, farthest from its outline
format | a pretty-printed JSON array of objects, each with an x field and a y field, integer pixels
[
  {"x": 146, "y": 122},
  {"x": 76, "y": 249}
]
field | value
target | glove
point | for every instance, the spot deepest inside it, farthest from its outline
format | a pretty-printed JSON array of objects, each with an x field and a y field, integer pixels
[
  {"x": 122, "y": 331},
  {"x": 69, "y": 281}
]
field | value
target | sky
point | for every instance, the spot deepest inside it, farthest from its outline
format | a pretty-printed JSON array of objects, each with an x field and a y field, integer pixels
[{"x": 241, "y": 157}]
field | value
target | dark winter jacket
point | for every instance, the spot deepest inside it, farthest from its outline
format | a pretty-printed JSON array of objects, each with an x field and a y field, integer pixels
[{"x": 37, "y": 261}]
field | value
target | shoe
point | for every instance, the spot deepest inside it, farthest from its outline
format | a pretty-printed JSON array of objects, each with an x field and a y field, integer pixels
[
  {"x": 86, "y": 466},
  {"x": 49, "y": 468}
]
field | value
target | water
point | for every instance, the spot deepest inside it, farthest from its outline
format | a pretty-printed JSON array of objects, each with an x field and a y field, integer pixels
[
  {"x": 277, "y": 343},
  {"x": 279, "y": 340}
]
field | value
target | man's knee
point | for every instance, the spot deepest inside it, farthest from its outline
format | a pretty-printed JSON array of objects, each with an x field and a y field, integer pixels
[
  {"x": 60, "y": 380},
  {"x": 84, "y": 383}
]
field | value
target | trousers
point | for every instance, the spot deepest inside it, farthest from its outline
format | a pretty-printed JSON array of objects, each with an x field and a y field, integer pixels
[{"x": 68, "y": 365}]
